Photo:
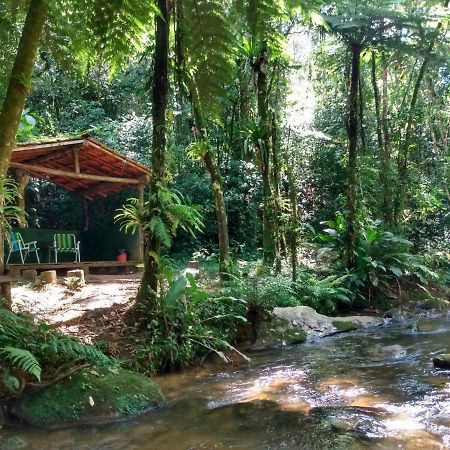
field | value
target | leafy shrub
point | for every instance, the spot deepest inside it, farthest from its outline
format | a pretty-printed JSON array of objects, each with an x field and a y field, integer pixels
[
  {"x": 381, "y": 256},
  {"x": 324, "y": 294},
  {"x": 185, "y": 324},
  {"x": 31, "y": 350}
]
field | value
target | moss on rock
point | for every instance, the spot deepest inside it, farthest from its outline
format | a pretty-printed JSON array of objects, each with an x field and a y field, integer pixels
[
  {"x": 90, "y": 396},
  {"x": 346, "y": 325}
]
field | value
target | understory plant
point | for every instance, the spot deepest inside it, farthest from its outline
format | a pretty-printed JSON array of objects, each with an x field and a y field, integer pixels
[
  {"x": 326, "y": 294},
  {"x": 34, "y": 354},
  {"x": 382, "y": 257},
  {"x": 183, "y": 324}
]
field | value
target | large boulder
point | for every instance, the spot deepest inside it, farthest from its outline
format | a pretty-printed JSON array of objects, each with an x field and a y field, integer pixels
[
  {"x": 276, "y": 331},
  {"x": 296, "y": 324},
  {"x": 90, "y": 396},
  {"x": 317, "y": 325}
]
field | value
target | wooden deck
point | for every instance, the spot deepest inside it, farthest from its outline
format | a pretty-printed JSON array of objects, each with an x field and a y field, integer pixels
[{"x": 15, "y": 270}]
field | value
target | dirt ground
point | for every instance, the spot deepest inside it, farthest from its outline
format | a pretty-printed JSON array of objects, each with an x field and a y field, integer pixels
[{"x": 94, "y": 314}]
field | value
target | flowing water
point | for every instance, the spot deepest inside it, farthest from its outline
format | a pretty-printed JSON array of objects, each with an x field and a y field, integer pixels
[{"x": 374, "y": 389}]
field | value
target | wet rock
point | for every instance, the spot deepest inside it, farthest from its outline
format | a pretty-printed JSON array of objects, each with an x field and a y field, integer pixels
[
  {"x": 426, "y": 326},
  {"x": 442, "y": 361},
  {"x": 318, "y": 325},
  {"x": 395, "y": 351},
  {"x": 293, "y": 325},
  {"x": 397, "y": 315},
  {"x": 89, "y": 396},
  {"x": 276, "y": 332}
]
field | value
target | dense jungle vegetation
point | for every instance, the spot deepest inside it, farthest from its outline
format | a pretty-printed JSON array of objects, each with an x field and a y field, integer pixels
[{"x": 299, "y": 150}]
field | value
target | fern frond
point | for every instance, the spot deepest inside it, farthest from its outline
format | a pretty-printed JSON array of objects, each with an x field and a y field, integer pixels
[
  {"x": 208, "y": 49},
  {"x": 23, "y": 360}
]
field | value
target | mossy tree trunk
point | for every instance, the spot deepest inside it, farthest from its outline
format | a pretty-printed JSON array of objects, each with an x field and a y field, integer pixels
[
  {"x": 381, "y": 112},
  {"x": 225, "y": 263},
  {"x": 18, "y": 88},
  {"x": 159, "y": 142},
  {"x": 265, "y": 150},
  {"x": 352, "y": 130}
]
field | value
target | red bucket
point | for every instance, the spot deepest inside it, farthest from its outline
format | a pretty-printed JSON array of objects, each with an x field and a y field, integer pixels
[{"x": 122, "y": 255}]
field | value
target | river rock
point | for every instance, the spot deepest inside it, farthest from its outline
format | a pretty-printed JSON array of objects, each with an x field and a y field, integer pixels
[
  {"x": 90, "y": 396},
  {"x": 397, "y": 315},
  {"x": 427, "y": 326},
  {"x": 276, "y": 331},
  {"x": 442, "y": 361},
  {"x": 295, "y": 324},
  {"x": 395, "y": 351}
]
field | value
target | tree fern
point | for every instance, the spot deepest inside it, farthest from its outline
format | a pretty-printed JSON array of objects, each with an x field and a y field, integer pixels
[{"x": 208, "y": 51}]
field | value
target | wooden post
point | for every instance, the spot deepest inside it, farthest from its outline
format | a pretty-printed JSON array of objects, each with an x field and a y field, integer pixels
[
  {"x": 76, "y": 161},
  {"x": 141, "y": 232},
  {"x": 5, "y": 290},
  {"x": 22, "y": 181},
  {"x": 78, "y": 274},
  {"x": 85, "y": 214},
  {"x": 49, "y": 277}
]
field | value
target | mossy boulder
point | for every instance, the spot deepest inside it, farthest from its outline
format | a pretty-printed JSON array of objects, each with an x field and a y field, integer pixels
[
  {"x": 90, "y": 396},
  {"x": 346, "y": 325},
  {"x": 277, "y": 332},
  {"x": 296, "y": 324}
]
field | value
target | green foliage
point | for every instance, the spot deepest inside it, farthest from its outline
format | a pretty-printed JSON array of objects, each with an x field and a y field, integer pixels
[
  {"x": 165, "y": 211},
  {"x": 208, "y": 46},
  {"x": 9, "y": 212},
  {"x": 325, "y": 294},
  {"x": 36, "y": 350},
  {"x": 381, "y": 256},
  {"x": 23, "y": 360},
  {"x": 185, "y": 323}
]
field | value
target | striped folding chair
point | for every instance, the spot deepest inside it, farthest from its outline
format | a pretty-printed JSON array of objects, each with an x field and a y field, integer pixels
[
  {"x": 16, "y": 244},
  {"x": 66, "y": 243}
]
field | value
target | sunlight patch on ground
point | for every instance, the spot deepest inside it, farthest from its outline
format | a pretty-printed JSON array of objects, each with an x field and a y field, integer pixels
[{"x": 56, "y": 304}]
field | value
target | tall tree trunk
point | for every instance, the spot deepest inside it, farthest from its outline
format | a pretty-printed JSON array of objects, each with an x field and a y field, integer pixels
[
  {"x": 18, "y": 88},
  {"x": 352, "y": 155},
  {"x": 362, "y": 129},
  {"x": 20, "y": 80},
  {"x": 386, "y": 156},
  {"x": 159, "y": 141},
  {"x": 265, "y": 158},
  {"x": 383, "y": 140},
  {"x": 292, "y": 235},
  {"x": 402, "y": 158},
  {"x": 225, "y": 263},
  {"x": 276, "y": 178}
]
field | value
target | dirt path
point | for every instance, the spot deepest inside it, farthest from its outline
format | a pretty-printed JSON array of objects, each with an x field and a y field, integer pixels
[{"x": 94, "y": 314}]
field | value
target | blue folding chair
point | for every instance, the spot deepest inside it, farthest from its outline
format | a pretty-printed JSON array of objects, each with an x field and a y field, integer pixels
[{"x": 16, "y": 244}]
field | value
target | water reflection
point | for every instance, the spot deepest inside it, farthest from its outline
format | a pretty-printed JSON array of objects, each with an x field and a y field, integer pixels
[{"x": 367, "y": 390}]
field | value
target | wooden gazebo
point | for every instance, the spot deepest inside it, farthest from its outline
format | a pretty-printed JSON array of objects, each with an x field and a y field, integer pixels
[{"x": 82, "y": 165}]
